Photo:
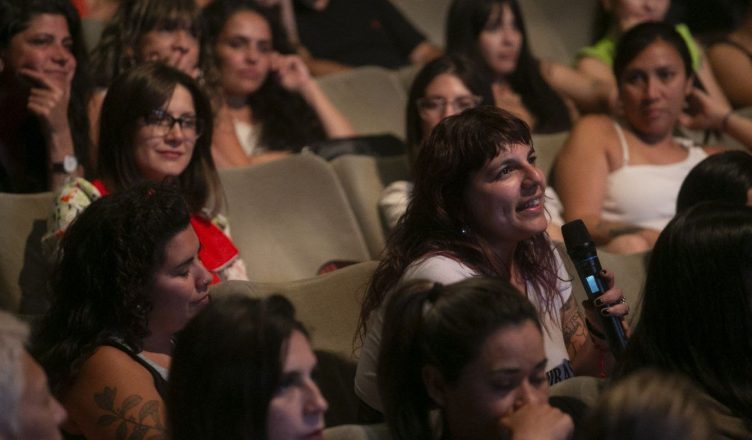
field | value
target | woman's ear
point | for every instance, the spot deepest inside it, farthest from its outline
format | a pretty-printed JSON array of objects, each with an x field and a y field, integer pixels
[{"x": 433, "y": 380}]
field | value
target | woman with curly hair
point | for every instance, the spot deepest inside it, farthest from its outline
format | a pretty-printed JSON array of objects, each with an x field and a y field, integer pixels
[
  {"x": 128, "y": 279},
  {"x": 44, "y": 131},
  {"x": 268, "y": 105},
  {"x": 477, "y": 209}
]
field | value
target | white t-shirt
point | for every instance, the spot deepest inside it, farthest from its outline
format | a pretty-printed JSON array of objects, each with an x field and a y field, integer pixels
[{"x": 446, "y": 270}]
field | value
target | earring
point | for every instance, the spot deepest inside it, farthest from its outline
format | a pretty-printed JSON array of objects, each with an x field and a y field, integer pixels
[{"x": 464, "y": 230}]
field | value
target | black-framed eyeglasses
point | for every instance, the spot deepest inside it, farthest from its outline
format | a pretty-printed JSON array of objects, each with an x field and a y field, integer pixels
[
  {"x": 163, "y": 121},
  {"x": 437, "y": 105}
]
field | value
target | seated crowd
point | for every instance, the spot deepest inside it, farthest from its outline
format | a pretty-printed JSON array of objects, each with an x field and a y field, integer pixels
[{"x": 469, "y": 324}]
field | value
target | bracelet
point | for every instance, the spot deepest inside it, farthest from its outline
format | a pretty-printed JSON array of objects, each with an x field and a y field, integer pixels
[{"x": 724, "y": 121}]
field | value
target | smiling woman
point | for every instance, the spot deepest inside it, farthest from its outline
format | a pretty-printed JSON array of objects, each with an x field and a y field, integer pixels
[
  {"x": 43, "y": 94},
  {"x": 129, "y": 278},
  {"x": 156, "y": 126}
]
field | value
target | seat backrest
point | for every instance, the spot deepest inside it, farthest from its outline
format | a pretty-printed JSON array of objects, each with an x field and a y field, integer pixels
[
  {"x": 372, "y": 98},
  {"x": 23, "y": 268},
  {"x": 328, "y": 305},
  {"x": 547, "y": 146},
  {"x": 358, "y": 432},
  {"x": 428, "y": 16},
  {"x": 289, "y": 217},
  {"x": 364, "y": 178}
]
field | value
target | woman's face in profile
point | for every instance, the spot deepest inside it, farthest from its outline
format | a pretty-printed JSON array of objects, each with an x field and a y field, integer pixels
[
  {"x": 243, "y": 51},
  {"x": 297, "y": 408},
  {"x": 509, "y": 373},
  {"x": 500, "y": 41}
]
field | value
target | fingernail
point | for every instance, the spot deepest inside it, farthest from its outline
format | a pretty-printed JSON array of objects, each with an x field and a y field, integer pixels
[
  {"x": 603, "y": 271},
  {"x": 598, "y": 302},
  {"x": 604, "y": 311}
]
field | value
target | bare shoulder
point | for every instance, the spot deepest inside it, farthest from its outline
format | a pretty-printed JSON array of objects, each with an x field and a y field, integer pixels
[
  {"x": 592, "y": 131},
  {"x": 114, "y": 397}
]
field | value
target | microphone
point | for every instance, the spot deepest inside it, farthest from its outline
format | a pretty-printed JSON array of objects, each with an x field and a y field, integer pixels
[{"x": 581, "y": 250}]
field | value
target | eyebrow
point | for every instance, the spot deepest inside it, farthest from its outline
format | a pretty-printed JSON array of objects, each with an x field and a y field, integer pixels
[{"x": 538, "y": 367}]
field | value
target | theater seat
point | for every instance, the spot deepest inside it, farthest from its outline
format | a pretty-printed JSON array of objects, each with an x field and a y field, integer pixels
[
  {"x": 372, "y": 98},
  {"x": 358, "y": 432},
  {"x": 23, "y": 269},
  {"x": 289, "y": 217},
  {"x": 364, "y": 178}
]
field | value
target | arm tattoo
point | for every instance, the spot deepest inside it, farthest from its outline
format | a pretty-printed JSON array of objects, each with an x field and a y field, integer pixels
[
  {"x": 130, "y": 424},
  {"x": 572, "y": 325}
]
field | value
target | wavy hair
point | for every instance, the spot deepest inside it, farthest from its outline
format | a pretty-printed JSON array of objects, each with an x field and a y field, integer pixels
[
  {"x": 432, "y": 225},
  {"x": 288, "y": 122},
  {"x": 15, "y": 18},
  {"x": 227, "y": 366},
  {"x": 701, "y": 270},
  {"x": 466, "y": 20},
  {"x": 129, "y": 99},
  {"x": 102, "y": 280},
  {"x": 114, "y": 54},
  {"x": 442, "y": 326}
]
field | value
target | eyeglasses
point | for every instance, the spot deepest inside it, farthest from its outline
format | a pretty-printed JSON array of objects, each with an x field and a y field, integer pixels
[
  {"x": 437, "y": 106},
  {"x": 163, "y": 122}
]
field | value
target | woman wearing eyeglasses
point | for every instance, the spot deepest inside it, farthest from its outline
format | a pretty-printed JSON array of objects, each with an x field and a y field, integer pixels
[
  {"x": 444, "y": 87},
  {"x": 156, "y": 126}
]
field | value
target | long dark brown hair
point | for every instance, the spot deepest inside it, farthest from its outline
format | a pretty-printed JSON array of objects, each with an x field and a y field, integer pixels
[{"x": 432, "y": 225}]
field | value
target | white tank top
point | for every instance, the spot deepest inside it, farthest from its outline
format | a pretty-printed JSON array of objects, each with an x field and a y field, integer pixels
[{"x": 645, "y": 195}]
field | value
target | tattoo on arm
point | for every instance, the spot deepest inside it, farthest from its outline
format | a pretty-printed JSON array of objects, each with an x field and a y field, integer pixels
[
  {"x": 131, "y": 425},
  {"x": 573, "y": 328}
]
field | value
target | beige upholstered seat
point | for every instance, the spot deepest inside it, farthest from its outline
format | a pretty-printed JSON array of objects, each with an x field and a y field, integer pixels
[
  {"x": 289, "y": 217},
  {"x": 364, "y": 178},
  {"x": 328, "y": 305},
  {"x": 372, "y": 98},
  {"x": 547, "y": 146},
  {"x": 23, "y": 268}
]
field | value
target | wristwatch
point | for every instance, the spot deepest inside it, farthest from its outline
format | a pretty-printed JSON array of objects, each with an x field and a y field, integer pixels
[{"x": 67, "y": 166}]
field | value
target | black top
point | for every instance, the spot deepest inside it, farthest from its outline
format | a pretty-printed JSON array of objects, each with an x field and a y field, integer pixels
[{"x": 358, "y": 33}]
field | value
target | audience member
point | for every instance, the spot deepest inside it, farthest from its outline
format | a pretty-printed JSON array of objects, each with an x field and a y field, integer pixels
[
  {"x": 622, "y": 177},
  {"x": 142, "y": 31},
  {"x": 618, "y": 16},
  {"x": 701, "y": 271},
  {"x": 156, "y": 126},
  {"x": 477, "y": 208},
  {"x": 649, "y": 405},
  {"x": 726, "y": 176},
  {"x": 43, "y": 94},
  {"x": 341, "y": 34},
  {"x": 128, "y": 279},
  {"x": 242, "y": 370},
  {"x": 27, "y": 410},
  {"x": 267, "y": 103},
  {"x": 443, "y": 87},
  {"x": 492, "y": 33},
  {"x": 474, "y": 350},
  {"x": 731, "y": 59}
]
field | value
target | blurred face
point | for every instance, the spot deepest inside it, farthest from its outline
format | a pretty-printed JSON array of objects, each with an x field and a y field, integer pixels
[
  {"x": 445, "y": 96},
  {"x": 177, "y": 47},
  {"x": 181, "y": 285},
  {"x": 297, "y": 409},
  {"x": 505, "y": 198},
  {"x": 653, "y": 88},
  {"x": 629, "y": 13},
  {"x": 500, "y": 41},
  {"x": 40, "y": 413},
  {"x": 164, "y": 142},
  {"x": 244, "y": 49},
  {"x": 45, "y": 47},
  {"x": 508, "y": 374}
]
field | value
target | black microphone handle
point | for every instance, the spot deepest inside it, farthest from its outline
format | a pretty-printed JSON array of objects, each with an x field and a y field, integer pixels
[{"x": 589, "y": 271}]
